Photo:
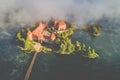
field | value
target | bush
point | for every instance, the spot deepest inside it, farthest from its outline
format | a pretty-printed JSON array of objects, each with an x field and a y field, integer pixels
[
  {"x": 45, "y": 49},
  {"x": 70, "y": 48},
  {"x": 78, "y": 46},
  {"x": 63, "y": 48}
]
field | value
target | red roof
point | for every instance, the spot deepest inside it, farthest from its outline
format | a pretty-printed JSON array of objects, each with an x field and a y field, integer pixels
[
  {"x": 52, "y": 37},
  {"x": 41, "y": 37},
  {"x": 60, "y": 24},
  {"x": 29, "y": 34},
  {"x": 39, "y": 29}
]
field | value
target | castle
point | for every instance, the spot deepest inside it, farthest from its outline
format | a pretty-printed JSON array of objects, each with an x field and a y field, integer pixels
[{"x": 39, "y": 32}]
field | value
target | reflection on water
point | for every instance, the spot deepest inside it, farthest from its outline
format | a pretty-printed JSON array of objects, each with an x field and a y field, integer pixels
[{"x": 13, "y": 62}]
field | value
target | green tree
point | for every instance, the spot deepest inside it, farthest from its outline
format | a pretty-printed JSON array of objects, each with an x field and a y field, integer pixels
[
  {"x": 78, "y": 46},
  {"x": 62, "y": 48},
  {"x": 45, "y": 49},
  {"x": 83, "y": 47},
  {"x": 57, "y": 41},
  {"x": 70, "y": 48},
  {"x": 92, "y": 54}
]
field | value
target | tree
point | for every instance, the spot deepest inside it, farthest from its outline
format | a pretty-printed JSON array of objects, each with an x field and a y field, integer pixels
[
  {"x": 57, "y": 41},
  {"x": 70, "y": 48},
  {"x": 62, "y": 48},
  {"x": 83, "y": 47},
  {"x": 78, "y": 46},
  {"x": 92, "y": 54}
]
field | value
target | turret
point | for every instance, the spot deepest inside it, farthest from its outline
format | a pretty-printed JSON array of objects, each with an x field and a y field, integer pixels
[{"x": 29, "y": 35}]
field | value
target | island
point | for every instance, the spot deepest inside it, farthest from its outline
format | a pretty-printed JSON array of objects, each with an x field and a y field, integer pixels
[
  {"x": 94, "y": 29},
  {"x": 54, "y": 36}
]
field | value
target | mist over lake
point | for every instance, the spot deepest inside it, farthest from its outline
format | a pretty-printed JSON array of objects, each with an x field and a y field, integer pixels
[{"x": 16, "y": 14}]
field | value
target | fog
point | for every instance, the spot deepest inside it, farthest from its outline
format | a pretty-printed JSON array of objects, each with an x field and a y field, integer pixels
[
  {"x": 78, "y": 11},
  {"x": 17, "y": 13}
]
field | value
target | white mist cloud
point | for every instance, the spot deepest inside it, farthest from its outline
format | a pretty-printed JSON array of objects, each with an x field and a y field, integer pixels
[{"x": 78, "y": 11}]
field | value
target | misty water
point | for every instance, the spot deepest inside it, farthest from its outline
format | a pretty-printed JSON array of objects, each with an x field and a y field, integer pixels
[
  {"x": 15, "y": 14},
  {"x": 14, "y": 62}
]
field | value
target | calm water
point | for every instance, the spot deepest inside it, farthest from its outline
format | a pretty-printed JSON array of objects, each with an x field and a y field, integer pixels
[{"x": 13, "y": 62}]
